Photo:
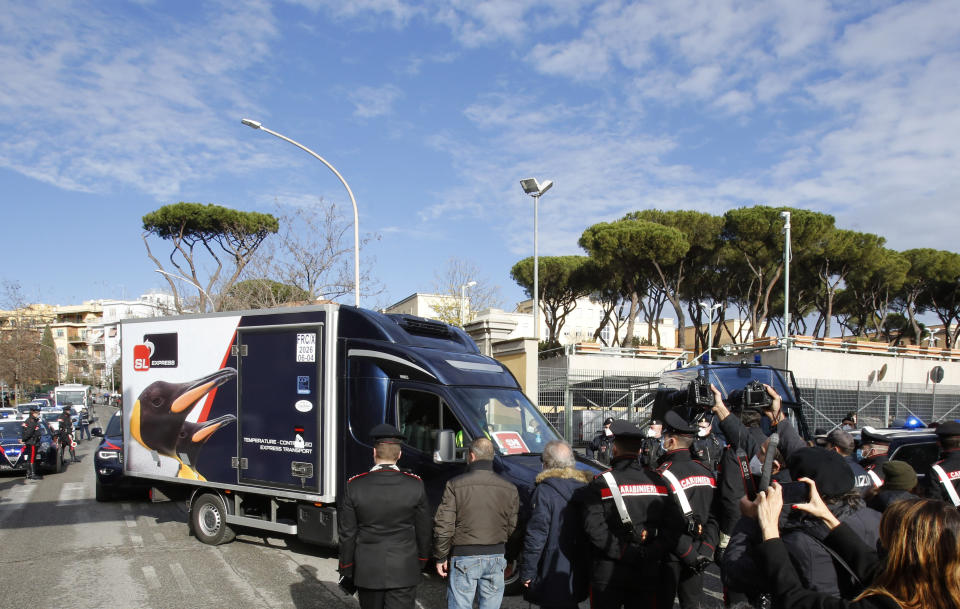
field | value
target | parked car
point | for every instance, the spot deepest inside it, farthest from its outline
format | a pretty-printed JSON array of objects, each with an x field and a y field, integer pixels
[
  {"x": 50, "y": 453},
  {"x": 108, "y": 461},
  {"x": 9, "y": 413}
]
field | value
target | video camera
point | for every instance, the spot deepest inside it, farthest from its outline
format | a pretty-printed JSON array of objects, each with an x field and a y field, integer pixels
[
  {"x": 753, "y": 396},
  {"x": 697, "y": 396}
]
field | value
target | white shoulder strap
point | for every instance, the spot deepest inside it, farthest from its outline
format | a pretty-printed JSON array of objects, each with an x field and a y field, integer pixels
[
  {"x": 877, "y": 482},
  {"x": 617, "y": 498},
  {"x": 678, "y": 491},
  {"x": 948, "y": 484}
]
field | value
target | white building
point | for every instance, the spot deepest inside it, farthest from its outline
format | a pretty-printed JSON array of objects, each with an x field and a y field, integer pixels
[{"x": 151, "y": 304}]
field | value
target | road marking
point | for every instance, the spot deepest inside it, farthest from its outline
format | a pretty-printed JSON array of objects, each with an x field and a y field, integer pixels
[
  {"x": 150, "y": 574},
  {"x": 71, "y": 493},
  {"x": 180, "y": 576},
  {"x": 131, "y": 521}
]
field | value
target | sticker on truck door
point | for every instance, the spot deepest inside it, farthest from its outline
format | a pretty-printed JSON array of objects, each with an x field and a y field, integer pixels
[{"x": 307, "y": 347}]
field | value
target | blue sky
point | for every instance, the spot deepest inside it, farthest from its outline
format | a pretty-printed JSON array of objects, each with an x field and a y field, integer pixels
[{"x": 434, "y": 110}]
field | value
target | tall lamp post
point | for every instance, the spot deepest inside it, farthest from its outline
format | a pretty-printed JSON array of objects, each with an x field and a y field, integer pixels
[
  {"x": 787, "y": 255},
  {"x": 193, "y": 283},
  {"x": 463, "y": 299},
  {"x": 536, "y": 189},
  {"x": 709, "y": 309},
  {"x": 356, "y": 216}
]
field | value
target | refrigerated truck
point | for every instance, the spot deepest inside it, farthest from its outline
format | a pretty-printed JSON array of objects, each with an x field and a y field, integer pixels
[{"x": 266, "y": 414}]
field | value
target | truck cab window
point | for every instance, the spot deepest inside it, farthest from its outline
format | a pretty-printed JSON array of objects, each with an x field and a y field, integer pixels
[{"x": 421, "y": 415}]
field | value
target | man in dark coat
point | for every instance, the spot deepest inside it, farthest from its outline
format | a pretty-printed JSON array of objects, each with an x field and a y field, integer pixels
[
  {"x": 31, "y": 436},
  {"x": 65, "y": 432},
  {"x": 691, "y": 485},
  {"x": 626, "y": 555},
  {"x": 384, "y": 529},
  {"x": 945, "y": 474},
  {"x": 873, "y": 452},
  {"x": 554, "y": 565},
  {"x": 599, "y": 448}
]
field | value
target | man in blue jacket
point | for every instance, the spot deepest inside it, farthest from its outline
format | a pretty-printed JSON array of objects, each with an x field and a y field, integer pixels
[{"x": 555, "y": 552}]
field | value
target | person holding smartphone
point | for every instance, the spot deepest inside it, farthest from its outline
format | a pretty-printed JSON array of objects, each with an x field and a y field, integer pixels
[{"x": 920, "y": 540}]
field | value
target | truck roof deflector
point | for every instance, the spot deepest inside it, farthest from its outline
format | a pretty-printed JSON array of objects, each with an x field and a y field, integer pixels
[
  {"x": 388, "y": 357},
  {"x": 475, "y": 366}
]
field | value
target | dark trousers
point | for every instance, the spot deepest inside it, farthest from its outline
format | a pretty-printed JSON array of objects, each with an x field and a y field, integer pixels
[
  {"x": 31, "y": 449},
  {"x": 678, "y": 581},
  {"x": 614, "y": 585},
  {"x": 393, "y": 598}
]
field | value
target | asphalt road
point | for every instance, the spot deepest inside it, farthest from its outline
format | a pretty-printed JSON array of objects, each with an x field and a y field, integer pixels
[{"x": 61, "y": 548}]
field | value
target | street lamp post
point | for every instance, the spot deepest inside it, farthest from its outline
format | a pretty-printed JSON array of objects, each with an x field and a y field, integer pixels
[
  {"x": 536, "y": 190},
  {"x": 709, "y": 309},
  {"x": 786, "y": 288},
  {"x": 463, "y": 299},
  {"x": 193, "y": 283},
  {"x": 356, "y": 216}
]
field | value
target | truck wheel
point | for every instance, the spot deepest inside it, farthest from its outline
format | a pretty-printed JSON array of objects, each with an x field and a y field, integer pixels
[
  {"x": 208, "y": 518},
  {"x": 102, "y": 493}
]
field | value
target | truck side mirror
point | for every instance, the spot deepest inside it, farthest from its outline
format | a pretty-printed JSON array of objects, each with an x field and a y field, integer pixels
[{"x": 446, "y": 447}]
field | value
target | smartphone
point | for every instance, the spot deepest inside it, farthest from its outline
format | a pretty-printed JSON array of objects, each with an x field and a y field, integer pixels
[{"x": 795, "y": 492}]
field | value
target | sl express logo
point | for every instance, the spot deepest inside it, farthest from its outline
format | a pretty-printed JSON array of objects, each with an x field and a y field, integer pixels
[{"x": 156, "y": 351}]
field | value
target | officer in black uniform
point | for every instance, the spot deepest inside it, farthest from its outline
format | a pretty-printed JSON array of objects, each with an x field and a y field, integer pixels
[
  {"x": 65, "y": 432},
  {"x": 873, "y": 450},
  {"x": 652, "y": 448},
  {"x": 602, "y": 444},
  {"x": 708, "y": 446},
  {"x": 945, "y": 474},
  {"x": 385, "y": 526},
  {"x": 30, "y": 437},
  {"x": 627, "y": 548},
  {"x": 691, "y": 485}
]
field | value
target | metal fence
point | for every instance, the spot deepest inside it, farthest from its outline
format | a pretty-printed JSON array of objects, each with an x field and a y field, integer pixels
[
  {"x": 589, "y": 396},
  {"x": 826, "y": 402}
]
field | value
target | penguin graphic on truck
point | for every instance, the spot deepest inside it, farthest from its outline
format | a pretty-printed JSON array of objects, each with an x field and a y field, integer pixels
[{"x": 266, "y": 414}]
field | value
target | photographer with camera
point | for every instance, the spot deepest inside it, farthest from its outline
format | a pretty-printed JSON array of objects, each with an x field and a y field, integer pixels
[{"x": 691, "y": 485}]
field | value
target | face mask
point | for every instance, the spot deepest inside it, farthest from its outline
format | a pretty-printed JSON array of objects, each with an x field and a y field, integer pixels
[
  {"x": 663, "y": 446},
  {"x": 607, "y": 432},
  {"x": 702, "y": 432},
  {"x": 756, "y": 466},
  {"x": 651, "y": 432},
  {"x": 859, "y": 455}
]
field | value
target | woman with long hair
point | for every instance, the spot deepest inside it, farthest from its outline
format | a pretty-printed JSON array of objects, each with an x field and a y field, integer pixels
[{"x": 920, "y": 567}]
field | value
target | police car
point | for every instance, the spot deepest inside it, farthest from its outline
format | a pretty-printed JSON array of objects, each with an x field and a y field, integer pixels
[{"x": 918, "y": 447}]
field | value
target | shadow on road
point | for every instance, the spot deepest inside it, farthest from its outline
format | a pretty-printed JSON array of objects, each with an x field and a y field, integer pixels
[{"x": 311, "y": 592}]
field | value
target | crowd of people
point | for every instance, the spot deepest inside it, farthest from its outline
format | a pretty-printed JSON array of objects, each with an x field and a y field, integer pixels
[{"x": 789, "y": 523}]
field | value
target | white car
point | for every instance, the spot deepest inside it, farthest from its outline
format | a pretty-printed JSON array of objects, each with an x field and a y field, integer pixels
[{"x": 9, "y": 413}]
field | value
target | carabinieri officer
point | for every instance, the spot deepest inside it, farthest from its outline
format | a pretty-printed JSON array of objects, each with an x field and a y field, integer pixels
[{"x": 385, "y": 525}]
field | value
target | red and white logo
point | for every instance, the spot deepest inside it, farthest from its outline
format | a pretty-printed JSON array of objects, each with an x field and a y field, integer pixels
[{"x": 141, "y": 357}]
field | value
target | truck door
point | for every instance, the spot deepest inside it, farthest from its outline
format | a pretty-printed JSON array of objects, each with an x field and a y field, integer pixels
[
  {"x": 421, "y": 413},
  {"x": 278, "y": 411}
]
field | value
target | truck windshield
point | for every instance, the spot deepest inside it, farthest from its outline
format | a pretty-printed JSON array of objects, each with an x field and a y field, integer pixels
[{"x": 507, "y": 417}]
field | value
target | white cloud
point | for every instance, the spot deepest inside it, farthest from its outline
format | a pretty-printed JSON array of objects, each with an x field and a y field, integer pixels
[
  {"x": 370, "y": 102},
  {"x": 100, "y": 100}
]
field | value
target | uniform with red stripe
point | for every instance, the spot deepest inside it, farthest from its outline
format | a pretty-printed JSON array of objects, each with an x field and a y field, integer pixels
[
  {"x": 699, "y": 533},
  {"x": 384, "y": 529},
  {"x": 625, "y": 566},
  {"x": 948, "y": 436}
]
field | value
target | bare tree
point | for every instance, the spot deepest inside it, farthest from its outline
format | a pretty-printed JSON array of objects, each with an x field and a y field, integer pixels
[
  {"x": 20, "y": 342},
  {"x": 313, "y": 255},
  {"x": 461, "y": 304}
]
